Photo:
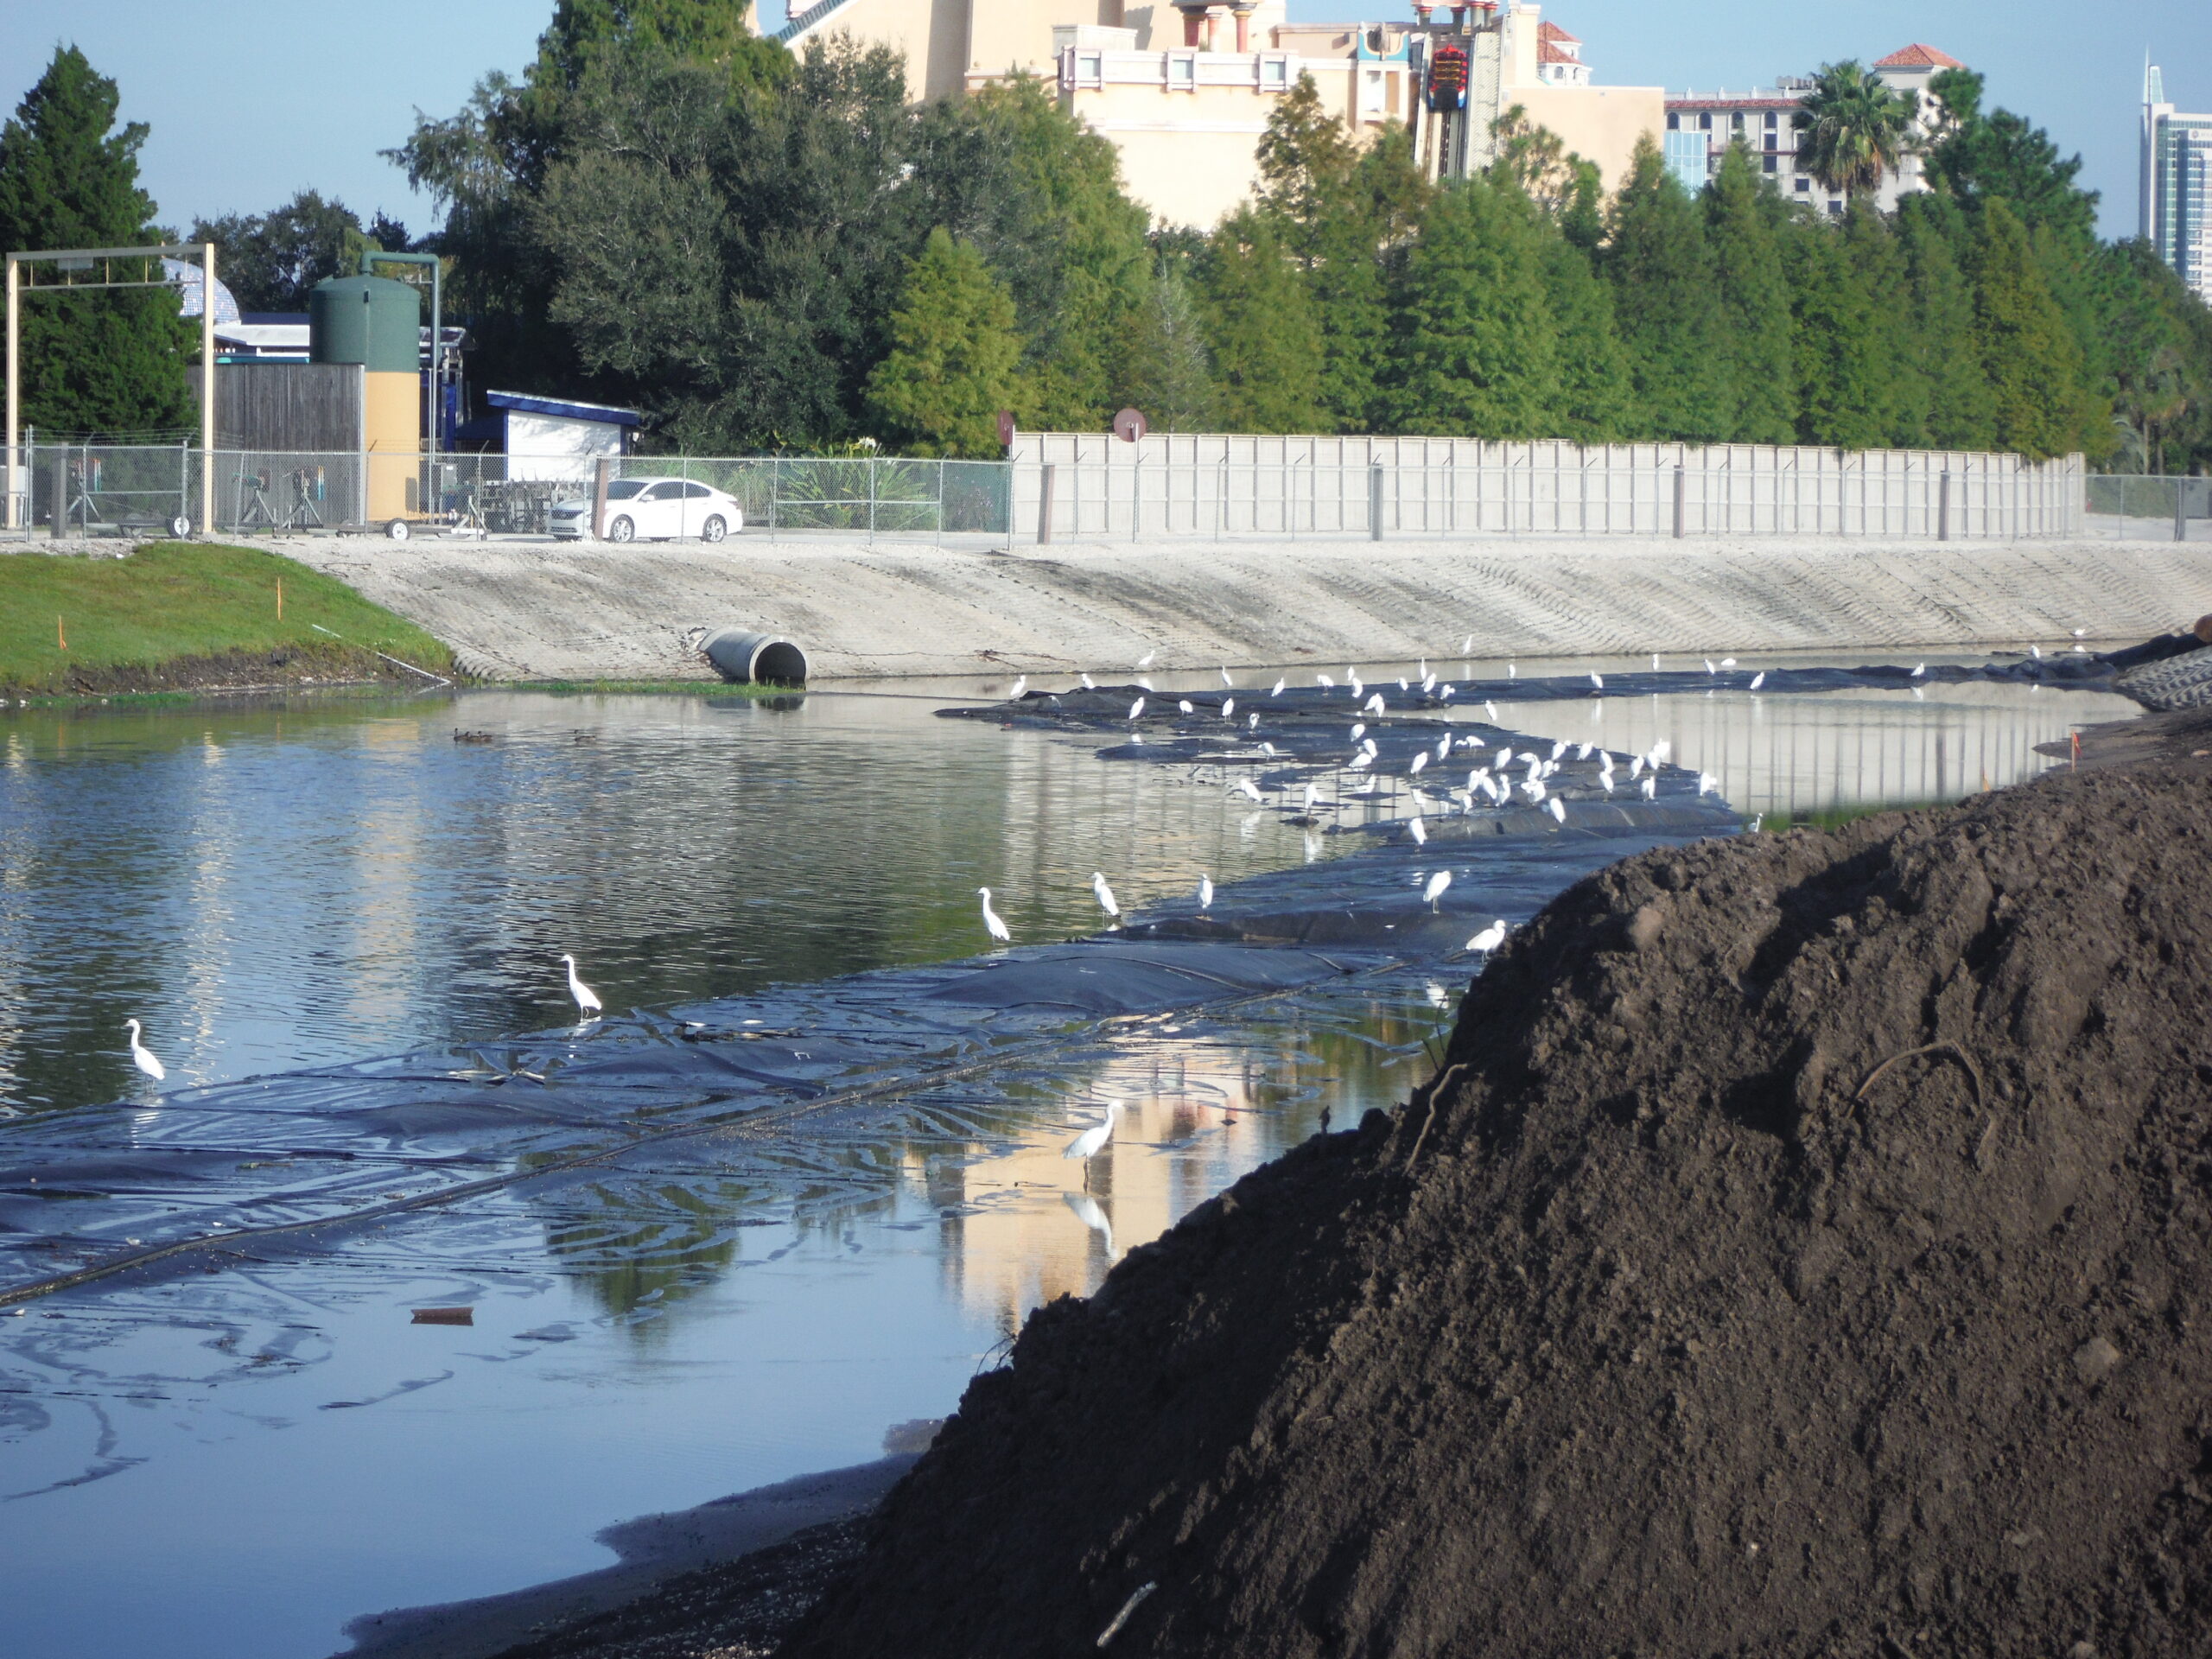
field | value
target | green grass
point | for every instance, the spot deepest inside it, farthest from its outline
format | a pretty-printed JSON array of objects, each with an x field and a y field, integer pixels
[{"x": 170, "y": 601}]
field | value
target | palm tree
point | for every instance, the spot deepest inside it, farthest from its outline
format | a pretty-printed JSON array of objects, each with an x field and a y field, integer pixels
[{"x": 1855, "y": 128}]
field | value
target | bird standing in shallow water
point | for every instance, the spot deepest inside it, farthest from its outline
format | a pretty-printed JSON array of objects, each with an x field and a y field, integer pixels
[
  {"x": 991, "y": 920},
  {"x": 588, "y": 1003},
  {"x": 141, "y": 1056},
  {"x": 1490, "y": 938},
  {"x": 1435, "y": 890},
  {"x": 1105, "y": 895},
  {"x": 1205, "y": 891},
  {"x": 1092, "y": 1141}
]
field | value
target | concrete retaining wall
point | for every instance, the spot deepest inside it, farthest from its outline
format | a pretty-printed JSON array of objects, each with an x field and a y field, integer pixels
[{"x": 533, "y": 610}]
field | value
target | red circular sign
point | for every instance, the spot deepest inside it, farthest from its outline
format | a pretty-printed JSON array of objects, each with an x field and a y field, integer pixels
[
  {"x": 1128, "y": 425},
  {"x": 1005, "y": 429}
]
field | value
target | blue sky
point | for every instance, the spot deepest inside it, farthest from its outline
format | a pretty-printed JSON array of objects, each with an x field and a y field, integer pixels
[{"x": 251, "y": 101}]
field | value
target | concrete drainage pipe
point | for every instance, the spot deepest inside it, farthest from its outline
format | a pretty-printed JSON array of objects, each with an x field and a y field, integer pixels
[{"x": 746, "y": 659}]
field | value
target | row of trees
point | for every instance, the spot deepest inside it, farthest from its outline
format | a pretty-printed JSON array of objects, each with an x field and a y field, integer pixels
[{"x": 668, "y": 211}]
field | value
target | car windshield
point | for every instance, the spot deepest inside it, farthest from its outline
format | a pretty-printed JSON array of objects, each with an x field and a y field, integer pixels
[{"x": 623, "y": 488}]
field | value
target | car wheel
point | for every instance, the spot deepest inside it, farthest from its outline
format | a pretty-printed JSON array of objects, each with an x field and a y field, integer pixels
[
  {"x": 713, "y": 529},
  {"x": 621, "y": 529},
  {"x": 396, "y": 530}
]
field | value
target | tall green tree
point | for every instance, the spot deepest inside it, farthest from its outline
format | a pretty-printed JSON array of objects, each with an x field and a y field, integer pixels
[
  {"x": 1979, "y": 155},
  {"x": 954, "y": 353},
  {"x": 1167, "y": 371},
  {"x": 2029, "y": 354},
  {"x": 1877, "y": 263},
  {"x": 1841, "y": 390},
  {"x": 1040, "y": 195},
  {"x": 716, "y": 34},
  {"x": 1741, "y": 220},
  {"x": 1666, "y": 305},
  {"x": 105, "y": 363},
  {"x": 1960, "y": 412},
  {"x": 1263, "y": 327},
  {"x": 1475, "y": 347},
  {"x": 1851, "y": 128},
  {"x": 1596, "y": 402},
  {"x": 271, "y": 262}
]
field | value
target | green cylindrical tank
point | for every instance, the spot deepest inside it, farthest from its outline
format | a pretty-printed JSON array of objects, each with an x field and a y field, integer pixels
[{"x": 372, "y": 321}]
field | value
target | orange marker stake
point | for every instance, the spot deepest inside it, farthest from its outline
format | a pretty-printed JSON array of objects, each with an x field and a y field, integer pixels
[
  {"x": 280, "y": 599},
  {"x": 59, "y": 634},
  {"x": 2077, "y": 749}
]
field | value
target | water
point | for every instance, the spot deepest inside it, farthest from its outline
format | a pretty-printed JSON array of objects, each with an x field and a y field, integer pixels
[{"x": 273, "y": 1448}]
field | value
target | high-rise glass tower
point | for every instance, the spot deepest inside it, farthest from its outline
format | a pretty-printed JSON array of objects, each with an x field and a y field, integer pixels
[{"x": 2177, "y": 182}]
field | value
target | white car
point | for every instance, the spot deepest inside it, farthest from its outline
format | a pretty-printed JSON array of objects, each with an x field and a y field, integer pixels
[{"x": 654, "y": 509}]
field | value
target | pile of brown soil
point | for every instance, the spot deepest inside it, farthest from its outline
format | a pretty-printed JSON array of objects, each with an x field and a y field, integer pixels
[{"x": 1807, "y": 1252}]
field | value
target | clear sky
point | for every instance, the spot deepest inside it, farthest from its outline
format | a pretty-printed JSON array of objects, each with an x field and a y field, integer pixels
[{"x": 251, "y": 101}]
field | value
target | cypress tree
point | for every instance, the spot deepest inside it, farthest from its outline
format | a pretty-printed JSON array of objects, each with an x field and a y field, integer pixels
[
  {"x": 100, "y": 363},
  {"x": 1877, "y": 265},
  {"x": 1841, "y": 394},
  {"x": 1168, "y": 371},
  {"x": 1475, "y": 345},
  {"x": 1595, "y": 403},
  {"x": 1960, "y": 412},
  {"x": 2033, "y": 364},
  {"x": 1660, "y": 272},
  {"x": 1753, "y": 290},
  {"x": 1261, "y": 325},
  {"x": 1384, "y": 198},
  {"x": 950, "y": 368}
]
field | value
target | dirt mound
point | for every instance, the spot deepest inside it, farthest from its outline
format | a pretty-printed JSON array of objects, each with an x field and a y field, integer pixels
[{"x": 1806, "y": 1253}]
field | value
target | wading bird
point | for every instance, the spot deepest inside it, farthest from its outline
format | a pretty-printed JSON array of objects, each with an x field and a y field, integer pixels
[
  {"x": 1557, "y": 808},
  {"x": 588, "y": 1003},
  {"x": 1596, "y": 679},
  {"x": 1228, "y": 708},
  {"x": 1225, "y": 680},
  {"x": 1758, "y": 679},
  {"x": 141, "y": 1056},
  {"x": 1020, "y": 686},
  {"x": 1145, "y": 661},
  {"x": 1087, "y": 685},
  {"x": 1092, "y": 1141},
  {"x": 1105, "y": 894},
  {"x": 1205, "y": 891},
  {"x": 992, "y": 921},
  {"x": 1419, "y": 832},
  {"x": 1245, "y": 786},
  {"x": 1278, "y": 690},
  {"x": 1490, "y": 938},
  {"x": 1136, "y": 708},
  {"x": 1435, "y": 890}
]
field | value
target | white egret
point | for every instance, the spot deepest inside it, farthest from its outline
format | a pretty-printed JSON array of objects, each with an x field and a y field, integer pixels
[
  {"x": 1727, "y": 662},
  {"x": 1252, "y": 724},
  {"x": 1655, "y": 662},
  {"x": 1368, "y": 744},
  {"x": 1445, "y": 694},
  {"x": 1105, "y": 895},
  {"x": 1136, "y": 708},
  {"x": 1491, "y": 708},
  {"x": 1706, "y": 783},
  {"x": 1278, "y": 690},
  {"x": 1374, "y": 704},
  {"x": 1758, "y": 679},
  {"x": 1582, "y": 751},
  {"x": 1145, "y": 661},
  {"x": 1558, "y": 748},
  {"x": 1358, "y": 686},
  {"x": 992, "y": 921},
  {"x": 1205, "y": 891},
  {"x": 587, "y": 1001},
  {"x": 1490, "y": 938},
  {"x": 1228, "y": 708},
  {"x": 1424, "y": 668},
  {"x": 1311, "y": 796},
  {"x": 1758, "y": 819},
  {"x": 1635, "y": 768},
  {"x": 2036, "y": 652},
  {"x": 1092, "y": 1141},
  {"x": 1650, "y": 787},
  {"x": 1420, "y": 761},
  {"x": 1605, "y": 781},
  {"x": 1020, "y": 686},
  {"x": 1435, "y": 890},
  {"x": 1183, "y": 704},
  {"x": 1363, "y": 759},
  {"x": 1596, "y": 679},
  {"x": 1225, "y": 680},
  {"x": 1557, "y": 808},
  {"x": 141, "y": 1056},
  {"x": 1358, "y": 730},
  {"x": 1245, "y": 786},
  {"x": 1324, "y": 680},
  {"x": 1709, "y": 667},
  {"x": 1403, "y": 686},
  {"x": 1086, "y": 680},
  {"x": 1466, "y": 644},
  {"x": 1418, "y": 830},
  {"x": 1919, "y": 669}
]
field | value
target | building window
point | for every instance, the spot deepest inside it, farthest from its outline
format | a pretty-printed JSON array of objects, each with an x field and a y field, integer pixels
[
  {"x": 1770, "y": 121},
  {"x": 1089, "y": 69},
  {"x": 1736, "y": 122},
  {"x": 1675, "y": 122},
  {"x": 1769, "y": 138},
  {"x": 1705, "y": 121},
  {"x": 1274, "y": 74},
  {"x": 1182, "y": 71},
  {"x": 1766, "y": 163},
  {"x": 1805, "y": 185},
  {"x": 1835, "y": 207},
  {"x": 1370, "y": 91}
]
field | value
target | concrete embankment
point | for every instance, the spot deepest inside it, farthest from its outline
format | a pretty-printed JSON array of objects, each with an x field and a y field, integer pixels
[{"x": 526, "y": 610}]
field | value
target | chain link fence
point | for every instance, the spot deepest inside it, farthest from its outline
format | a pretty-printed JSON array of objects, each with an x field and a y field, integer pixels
[{"x": 2137, "y": 507}]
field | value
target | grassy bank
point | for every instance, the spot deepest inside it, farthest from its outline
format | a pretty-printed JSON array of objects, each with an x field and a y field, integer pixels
[{"x": 178, "y": 616}]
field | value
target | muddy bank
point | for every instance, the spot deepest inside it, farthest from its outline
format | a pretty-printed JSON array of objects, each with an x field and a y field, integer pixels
[
  {"x": 285, "y": 668},
  {"x": 1805, "y": 1252}
]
